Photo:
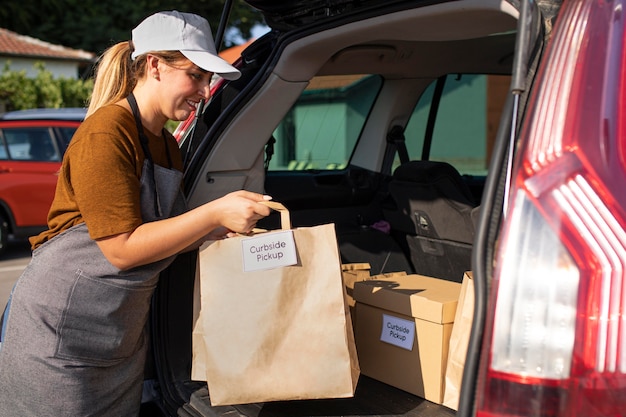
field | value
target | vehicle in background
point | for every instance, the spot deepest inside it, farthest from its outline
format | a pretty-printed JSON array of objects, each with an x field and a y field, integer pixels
[
  {"x": 32, "y": 144},
  {"x": 482, "y": 134}
]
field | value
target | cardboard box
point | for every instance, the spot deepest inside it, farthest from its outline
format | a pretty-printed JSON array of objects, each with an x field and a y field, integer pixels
[
  {"x": 352, "y": 273},
  {"x": 403, "y": 329},
  {"x": 355, "y": 272}
]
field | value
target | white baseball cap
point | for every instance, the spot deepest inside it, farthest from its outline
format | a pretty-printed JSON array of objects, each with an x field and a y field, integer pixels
[{"x": 185, "y": 32}]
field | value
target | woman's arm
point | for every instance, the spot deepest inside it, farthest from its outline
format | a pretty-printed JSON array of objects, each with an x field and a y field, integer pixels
[{"x": 238, "y": 212}]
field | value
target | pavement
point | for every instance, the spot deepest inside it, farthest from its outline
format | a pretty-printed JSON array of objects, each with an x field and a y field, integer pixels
[{"x": 12, "y": 263}]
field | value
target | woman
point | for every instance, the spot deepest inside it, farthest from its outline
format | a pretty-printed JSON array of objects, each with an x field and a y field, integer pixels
[{"x": 75, "y": 342}]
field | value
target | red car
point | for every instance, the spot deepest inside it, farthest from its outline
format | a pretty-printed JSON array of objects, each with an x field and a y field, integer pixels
[{"x": 32, "y": 143}]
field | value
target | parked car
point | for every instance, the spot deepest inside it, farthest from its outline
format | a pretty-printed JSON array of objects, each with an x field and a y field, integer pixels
[
  {"x": 506, "y": 117},
  {"x": 32, "y": 143}
]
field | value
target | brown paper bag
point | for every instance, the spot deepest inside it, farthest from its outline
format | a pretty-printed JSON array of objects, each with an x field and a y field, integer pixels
[
  {"x": 459, "y": 340},
  {"x": 274, "y": 334}
]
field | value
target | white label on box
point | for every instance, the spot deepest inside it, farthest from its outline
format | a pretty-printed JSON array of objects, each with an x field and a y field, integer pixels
[
  {"x": 397, "y": 331},
  {"x": 269, "y": 250}
]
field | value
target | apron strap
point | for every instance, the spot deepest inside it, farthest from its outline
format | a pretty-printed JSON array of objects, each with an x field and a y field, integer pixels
[
  {"x": 146, "y": 150},
  {"x": 142, "y": 136}
]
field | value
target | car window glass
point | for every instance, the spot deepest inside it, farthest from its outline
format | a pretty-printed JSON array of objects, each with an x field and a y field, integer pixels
[
  {"x": 65, "y": 135},
  {"x": 321, "y": 129},
  {"x": 465, "y": 124},
  {"x": 31, "y": 144}
]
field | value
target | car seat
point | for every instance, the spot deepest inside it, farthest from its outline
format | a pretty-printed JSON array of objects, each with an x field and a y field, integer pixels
[{"x": 431, "y": 212}]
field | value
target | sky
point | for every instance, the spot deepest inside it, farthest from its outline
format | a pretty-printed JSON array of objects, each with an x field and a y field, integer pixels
[{"x": 257, "y": 32}]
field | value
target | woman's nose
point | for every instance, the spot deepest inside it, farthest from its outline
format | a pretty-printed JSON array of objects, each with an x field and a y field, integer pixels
[{"x": 205, "y": 91}]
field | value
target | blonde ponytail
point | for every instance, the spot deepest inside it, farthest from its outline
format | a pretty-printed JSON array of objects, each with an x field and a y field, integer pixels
[{"x": 115, "y": 76}]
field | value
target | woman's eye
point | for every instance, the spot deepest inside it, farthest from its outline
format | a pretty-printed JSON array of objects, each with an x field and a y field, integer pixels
[{"x": 196, "y": 77}]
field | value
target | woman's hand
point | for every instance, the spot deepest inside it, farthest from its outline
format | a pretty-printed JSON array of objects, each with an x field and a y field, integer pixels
[
  {"x": 236, "y": 212},
  {"x": 239, "y": 211}
]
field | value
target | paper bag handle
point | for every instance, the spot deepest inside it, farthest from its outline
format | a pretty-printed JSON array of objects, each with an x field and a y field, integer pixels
[{"x": 285, "y": 220}]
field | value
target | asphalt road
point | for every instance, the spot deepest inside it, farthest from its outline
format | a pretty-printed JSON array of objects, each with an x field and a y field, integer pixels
[{"x": 12, "y": 263}]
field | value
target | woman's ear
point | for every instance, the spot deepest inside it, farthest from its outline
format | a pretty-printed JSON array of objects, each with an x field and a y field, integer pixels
[{"x": 152, "y": 63}]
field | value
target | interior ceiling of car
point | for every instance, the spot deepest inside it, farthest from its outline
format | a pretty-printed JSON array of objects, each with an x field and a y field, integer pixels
[
  {"x": 405, "y": 59},
  {"x": 424, "y": 42}
]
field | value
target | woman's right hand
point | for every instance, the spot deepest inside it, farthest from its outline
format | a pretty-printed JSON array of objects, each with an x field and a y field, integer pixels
[{"x": 239, "y": 211}]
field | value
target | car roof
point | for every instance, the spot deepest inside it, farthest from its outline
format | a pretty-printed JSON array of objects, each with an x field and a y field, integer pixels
[{"x": 70, "y": 113}]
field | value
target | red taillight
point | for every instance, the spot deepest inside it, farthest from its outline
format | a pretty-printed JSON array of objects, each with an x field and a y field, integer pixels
[{"x": 558, "y": 330}]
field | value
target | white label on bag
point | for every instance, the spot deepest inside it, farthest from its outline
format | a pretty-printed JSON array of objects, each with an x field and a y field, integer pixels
[
  {"x": 397, "y": 331},
  {"x": 269, "y": 250}
]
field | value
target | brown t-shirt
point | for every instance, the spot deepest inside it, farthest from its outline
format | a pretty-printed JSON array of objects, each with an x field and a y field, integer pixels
[{"x": 99, "y": 181}]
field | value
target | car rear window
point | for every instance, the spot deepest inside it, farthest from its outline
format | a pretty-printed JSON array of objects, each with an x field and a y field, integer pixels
[
  {"x": 465, "y": 121},
  {"x": 322, "y": 128}
]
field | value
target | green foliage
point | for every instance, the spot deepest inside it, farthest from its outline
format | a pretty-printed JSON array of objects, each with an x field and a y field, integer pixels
[
  {"x": 75, "y": 93},
  {"x": 18, "y": 92}
]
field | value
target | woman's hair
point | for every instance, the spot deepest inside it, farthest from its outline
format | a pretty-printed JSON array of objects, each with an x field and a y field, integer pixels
[{"x": 116, "y": 74}]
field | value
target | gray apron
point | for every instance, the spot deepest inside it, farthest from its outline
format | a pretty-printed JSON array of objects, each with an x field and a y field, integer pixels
[{"x": 76, "y": 341}]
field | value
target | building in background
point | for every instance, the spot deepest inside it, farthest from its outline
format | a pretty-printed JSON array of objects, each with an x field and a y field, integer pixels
[{"x": 22, "y": 52}]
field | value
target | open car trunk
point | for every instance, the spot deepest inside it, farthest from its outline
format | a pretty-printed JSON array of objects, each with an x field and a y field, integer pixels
[{"x": 407, "y": 47}]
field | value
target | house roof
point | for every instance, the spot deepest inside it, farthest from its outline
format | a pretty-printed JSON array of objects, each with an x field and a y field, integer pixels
[
  {"x": 232, "y": 54},
  {"x": 14, "y": 44}
]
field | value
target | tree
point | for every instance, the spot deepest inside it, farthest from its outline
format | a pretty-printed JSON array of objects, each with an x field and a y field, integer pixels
[
  {"x": 94, "y": 25},
  {"x": 18, "y": 92}
]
